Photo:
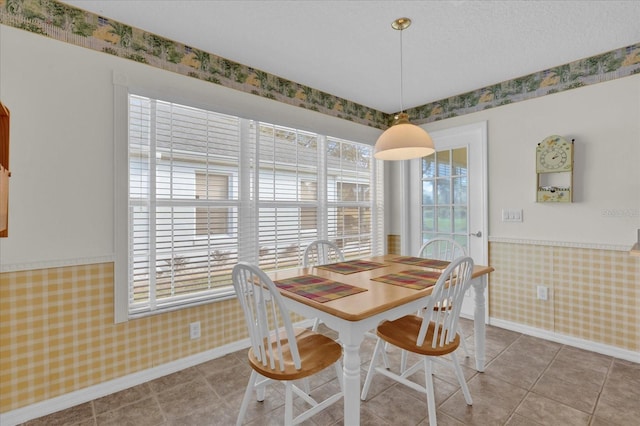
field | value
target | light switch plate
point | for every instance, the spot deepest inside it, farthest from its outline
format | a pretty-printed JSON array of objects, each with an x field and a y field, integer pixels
[{"x": 512, "y": 215}]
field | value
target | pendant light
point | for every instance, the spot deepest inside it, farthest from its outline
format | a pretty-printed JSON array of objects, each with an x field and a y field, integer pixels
[{"x": 403, "y": 140}]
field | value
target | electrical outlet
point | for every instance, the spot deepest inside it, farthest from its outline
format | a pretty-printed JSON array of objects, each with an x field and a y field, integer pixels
[
  {"x": 542, "y": 292},
  {"x": 194, "y": 330}
]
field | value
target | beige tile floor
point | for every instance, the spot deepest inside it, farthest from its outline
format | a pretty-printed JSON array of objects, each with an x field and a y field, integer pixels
[{"x": 528, "y": 381}]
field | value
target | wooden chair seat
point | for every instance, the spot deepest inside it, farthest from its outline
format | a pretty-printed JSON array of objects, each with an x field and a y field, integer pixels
[
  {"x": 317, "y": 352},
  {"x": 403, "y": 334}
]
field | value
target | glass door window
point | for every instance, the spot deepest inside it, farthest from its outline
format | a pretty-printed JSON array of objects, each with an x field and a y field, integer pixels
[{"x": 445, "y": 195}]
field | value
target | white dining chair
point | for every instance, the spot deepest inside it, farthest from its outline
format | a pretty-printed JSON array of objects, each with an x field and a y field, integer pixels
[
  {"x": 445, "y": 249},
  {"x": 321, "y": 252},
  {"x": 280, "y": 352},
  {"x": 430, "y": 336}
]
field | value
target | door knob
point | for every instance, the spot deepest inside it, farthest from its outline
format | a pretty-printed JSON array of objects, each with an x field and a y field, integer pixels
[{"x": 477, "y": 234}]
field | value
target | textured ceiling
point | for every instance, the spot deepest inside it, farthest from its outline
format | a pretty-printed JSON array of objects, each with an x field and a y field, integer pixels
[{"x": 348, "y": 49}]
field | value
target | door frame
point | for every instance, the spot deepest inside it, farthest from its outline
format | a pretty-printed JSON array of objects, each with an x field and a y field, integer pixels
[{"x": 476, "y": 135}]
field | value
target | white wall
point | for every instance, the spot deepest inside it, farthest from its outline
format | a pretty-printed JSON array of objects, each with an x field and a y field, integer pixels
[
  {"x": 61, "y": 156},
  {"x": 604, "y": 120}
]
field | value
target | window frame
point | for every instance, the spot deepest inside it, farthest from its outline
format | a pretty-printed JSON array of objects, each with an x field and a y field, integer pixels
[{"x": 246, "y": 248}]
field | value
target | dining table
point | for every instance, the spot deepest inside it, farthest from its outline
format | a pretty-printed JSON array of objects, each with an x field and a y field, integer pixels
[{"x": 354, "y": 296}]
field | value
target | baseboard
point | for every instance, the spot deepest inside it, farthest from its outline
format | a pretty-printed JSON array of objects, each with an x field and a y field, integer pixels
[
  {"x": 568, "y": 340},
  {"x": 43, "y": 408}
]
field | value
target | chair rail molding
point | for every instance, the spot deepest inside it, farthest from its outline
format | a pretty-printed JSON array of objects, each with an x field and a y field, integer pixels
[
  {"x": 29, "y": 266},
  {"x": 567, "y": 244}
]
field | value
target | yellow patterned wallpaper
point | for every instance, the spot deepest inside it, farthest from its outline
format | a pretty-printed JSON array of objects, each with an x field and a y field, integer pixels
[
  {"x": 393, "y": 244},
  {"x": 593, "y": 294},
  {"x": 57, "y": 333}
]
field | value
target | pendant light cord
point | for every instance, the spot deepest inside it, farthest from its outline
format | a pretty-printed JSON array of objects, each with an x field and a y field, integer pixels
[{"x": 401, "y": 79}]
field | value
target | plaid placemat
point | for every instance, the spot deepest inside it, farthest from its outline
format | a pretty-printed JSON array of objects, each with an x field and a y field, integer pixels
[
  {"x": 317, "y": 288},
  {"x": 415, "y": 279},
  {"x": 420, "y": 261},
  {"x": 351, "y": 266}
]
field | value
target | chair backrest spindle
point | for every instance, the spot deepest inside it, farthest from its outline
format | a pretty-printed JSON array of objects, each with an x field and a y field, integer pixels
[
  {"x": 267, "y": 317},
  {"x": 450, "y": 289}
]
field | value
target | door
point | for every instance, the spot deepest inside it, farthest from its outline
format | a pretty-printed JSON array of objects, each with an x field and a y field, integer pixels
[{"x": 448, "y": 195}]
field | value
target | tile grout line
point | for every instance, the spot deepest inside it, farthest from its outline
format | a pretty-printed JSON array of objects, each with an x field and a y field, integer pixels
[
  {"x": 528, "y": 391},
  {"x": 595, "y": 406},
  {"x": 590, "y": 414},
  {"x": 546, "y": 368},
  {"x": 94, "y": 413}
]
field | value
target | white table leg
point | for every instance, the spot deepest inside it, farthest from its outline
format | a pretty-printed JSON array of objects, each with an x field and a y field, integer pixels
[
  {"x": 479, "y": 286},
  {"x": 351, "y": 377}
]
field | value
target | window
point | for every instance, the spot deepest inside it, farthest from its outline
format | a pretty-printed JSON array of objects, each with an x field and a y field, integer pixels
[
  {"x": 288, "y": 172},
  {"x": 206, "y": 190},
  {"x": 350, "y": 198},
  {"x": 445, "y": 195},
  {"x": 183, "y": 214}
]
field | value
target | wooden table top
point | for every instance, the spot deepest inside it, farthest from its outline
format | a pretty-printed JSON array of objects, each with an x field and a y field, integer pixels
[{"x": 379, "y": 296}]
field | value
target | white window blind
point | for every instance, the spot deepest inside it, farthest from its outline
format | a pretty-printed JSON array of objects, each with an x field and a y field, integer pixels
[
  {"x": 288, "y": 163},
  {"x": 352, "y": 193},
  {"x": 208, "y": 189},
  {"x": 183, "y": 206}
]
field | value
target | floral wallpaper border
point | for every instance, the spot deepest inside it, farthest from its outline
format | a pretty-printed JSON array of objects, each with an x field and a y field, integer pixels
[
  {"x": 596, "y": 69},
  {"x": 65, "y": 23}
]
